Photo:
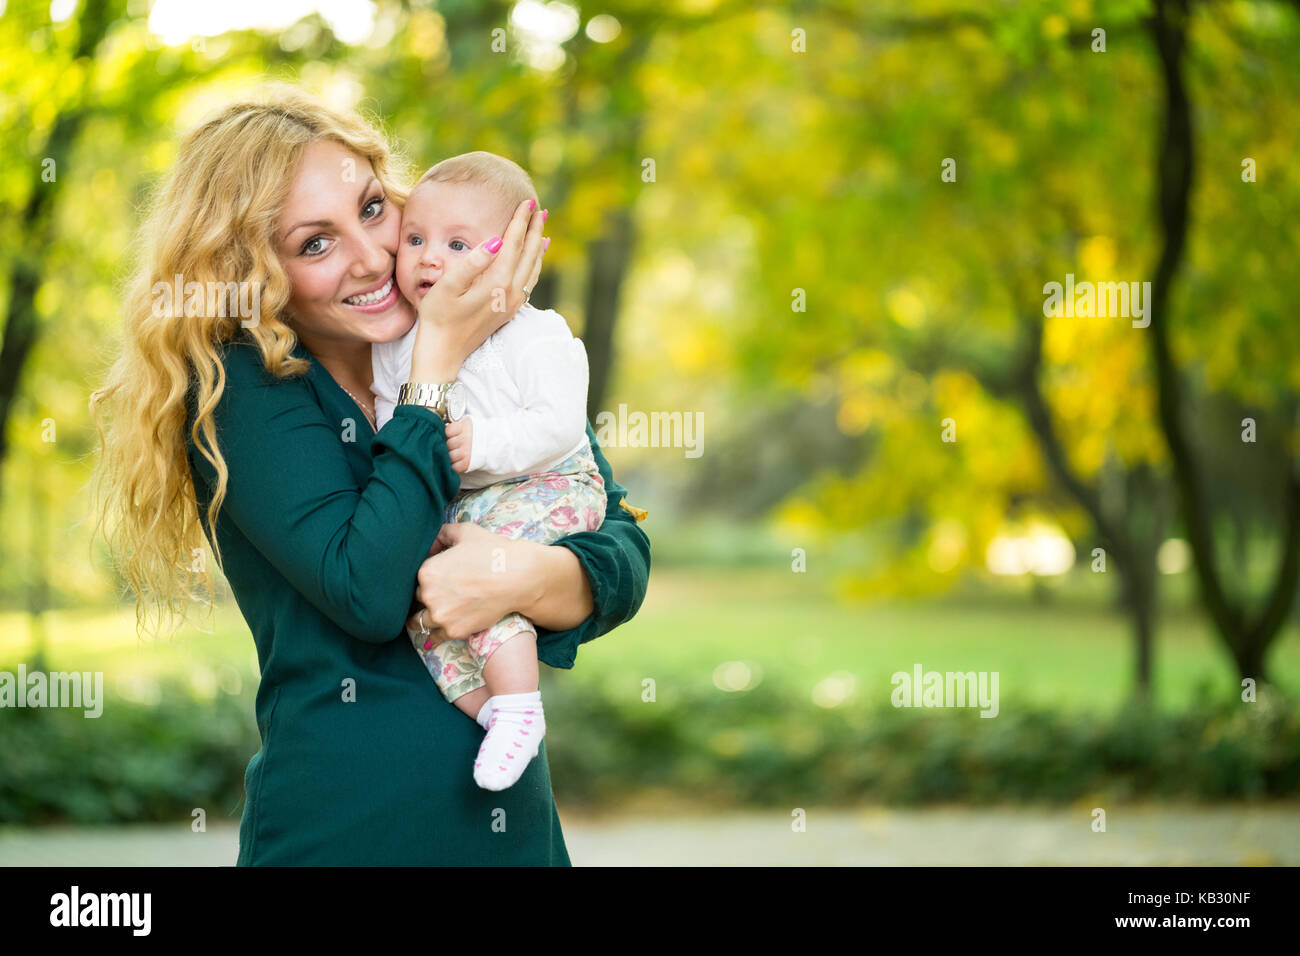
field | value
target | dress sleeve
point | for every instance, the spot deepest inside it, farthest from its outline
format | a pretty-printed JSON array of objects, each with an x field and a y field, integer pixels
[
  {"x": 352, "y": 551},
  {"x": 616, "y": 560}
]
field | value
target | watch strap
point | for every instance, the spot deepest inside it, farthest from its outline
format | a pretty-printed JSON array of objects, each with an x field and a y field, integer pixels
[{"x": 430, "y": 395}]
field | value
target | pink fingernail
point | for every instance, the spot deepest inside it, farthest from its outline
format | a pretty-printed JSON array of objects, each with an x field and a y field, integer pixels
[
  {"x": 493, "y": 244},
  {"x": 546, "y": 242},
  {"x": 532, "y": 204},
  {"x": 545, "y": 213}
]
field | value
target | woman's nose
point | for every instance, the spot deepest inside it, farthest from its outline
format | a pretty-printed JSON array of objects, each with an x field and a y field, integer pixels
[{"x": 374, "y": 258}]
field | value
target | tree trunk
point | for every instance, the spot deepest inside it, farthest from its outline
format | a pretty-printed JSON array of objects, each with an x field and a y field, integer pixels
[
  {"x": 608, "y": 259},
  {"x": 1140, "y": 600},
  {"x": 1246, "y": 632},
  {"x": 544, "y": 293},
  {"x": 1249, "y": 659},
  {"x": 22, "y": 327}
]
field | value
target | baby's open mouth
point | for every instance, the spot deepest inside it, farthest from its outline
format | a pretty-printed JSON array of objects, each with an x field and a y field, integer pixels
[{"x": 370, "y": 298}]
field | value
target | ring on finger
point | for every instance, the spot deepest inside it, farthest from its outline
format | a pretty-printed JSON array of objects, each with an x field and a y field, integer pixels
[{"x": 424, "y": 630}]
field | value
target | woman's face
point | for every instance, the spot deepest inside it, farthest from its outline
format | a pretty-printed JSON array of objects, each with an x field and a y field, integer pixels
[{"x": 337, "y": 241}]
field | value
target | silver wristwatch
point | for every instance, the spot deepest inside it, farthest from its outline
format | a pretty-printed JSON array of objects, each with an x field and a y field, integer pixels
[{"x": 447, "y": 399}]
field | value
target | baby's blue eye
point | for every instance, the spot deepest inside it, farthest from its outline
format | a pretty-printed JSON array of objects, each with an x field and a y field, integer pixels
[
  {"x": 415, "y": 240},
  {"x": 457, "y": 245}
]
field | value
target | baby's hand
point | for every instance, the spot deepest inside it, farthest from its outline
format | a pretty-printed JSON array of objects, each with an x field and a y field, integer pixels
[{"x": 460, "y": 438}]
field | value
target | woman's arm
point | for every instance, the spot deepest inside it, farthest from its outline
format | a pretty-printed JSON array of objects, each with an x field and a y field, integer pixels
[
  {"x": 581, "y": 587},
  {"x": 350, "y": 551},
  {"x": 562, "y": 597}
]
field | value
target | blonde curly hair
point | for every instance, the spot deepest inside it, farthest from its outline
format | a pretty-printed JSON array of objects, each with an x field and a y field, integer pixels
[{"x": 212, "y": 220}]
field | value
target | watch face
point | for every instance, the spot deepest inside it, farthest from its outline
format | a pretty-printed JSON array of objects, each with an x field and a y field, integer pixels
[{"x": 456, "y": 401}]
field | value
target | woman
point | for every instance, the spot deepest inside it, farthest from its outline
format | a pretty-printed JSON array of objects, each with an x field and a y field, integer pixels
[{"x": 322, "y": 526}]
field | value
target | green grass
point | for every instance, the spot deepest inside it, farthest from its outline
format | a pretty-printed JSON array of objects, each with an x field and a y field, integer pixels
[{"x": 1072, "y": 652}]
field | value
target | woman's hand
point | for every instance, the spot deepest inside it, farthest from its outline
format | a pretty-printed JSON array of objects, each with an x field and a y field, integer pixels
[
  {"x": 471, "y": 580},
  {"x": 477, "y": 295}
]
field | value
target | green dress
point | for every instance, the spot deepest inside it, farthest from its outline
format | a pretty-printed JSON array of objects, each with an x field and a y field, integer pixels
[{"x": 322, "y": 530}]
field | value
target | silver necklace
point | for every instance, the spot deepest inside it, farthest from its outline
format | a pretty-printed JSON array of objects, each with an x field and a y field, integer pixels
[{"x": 370, "y": 417}]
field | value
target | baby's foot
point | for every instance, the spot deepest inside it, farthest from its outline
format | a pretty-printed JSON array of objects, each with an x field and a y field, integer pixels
[{"x": 514, "y": 736}]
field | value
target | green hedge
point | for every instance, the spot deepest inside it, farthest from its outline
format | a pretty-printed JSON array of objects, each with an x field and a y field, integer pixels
[
  {"x": 759, "y": 748},
  {"x": 762, "y": 748},
  {"x": 134, "y": 763}
]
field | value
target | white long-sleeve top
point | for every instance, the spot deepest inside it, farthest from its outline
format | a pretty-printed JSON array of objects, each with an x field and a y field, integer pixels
[{"x": 526, "y": 392}]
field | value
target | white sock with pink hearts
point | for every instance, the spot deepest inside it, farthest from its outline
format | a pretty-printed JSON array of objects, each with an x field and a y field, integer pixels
[
  {"x": 484, "y": 717},
  {"x": 514, "y": 736}
]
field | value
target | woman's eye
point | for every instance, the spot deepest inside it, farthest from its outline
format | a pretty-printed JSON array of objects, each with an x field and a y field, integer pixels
[
  {"x": 377, "y": 201},
  {"x": 457, "y": 245},
  {"x": 310, "y": 247}
]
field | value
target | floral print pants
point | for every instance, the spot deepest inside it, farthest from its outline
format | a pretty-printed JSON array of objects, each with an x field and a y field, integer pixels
[{"x": 543, "y": 507}]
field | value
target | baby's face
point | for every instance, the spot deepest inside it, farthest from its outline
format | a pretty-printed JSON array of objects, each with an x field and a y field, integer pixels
[{"x": 442, "y": 222}]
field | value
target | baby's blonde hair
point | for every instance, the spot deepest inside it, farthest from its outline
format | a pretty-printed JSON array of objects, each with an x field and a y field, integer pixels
[{"x": 504, "y": 179}]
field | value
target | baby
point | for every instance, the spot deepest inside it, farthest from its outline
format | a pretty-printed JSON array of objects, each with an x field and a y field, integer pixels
[{"x": 526, "y": 467}]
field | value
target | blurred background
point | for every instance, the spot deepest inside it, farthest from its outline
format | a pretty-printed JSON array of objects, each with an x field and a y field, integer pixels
[{"x": 818, "y": 235}]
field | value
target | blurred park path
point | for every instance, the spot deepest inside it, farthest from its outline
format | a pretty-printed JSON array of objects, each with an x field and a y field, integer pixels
[{"x": 1135, "y": 836}]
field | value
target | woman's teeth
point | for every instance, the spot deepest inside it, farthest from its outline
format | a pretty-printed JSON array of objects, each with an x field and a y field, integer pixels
[{"x": 370, "y": 298}]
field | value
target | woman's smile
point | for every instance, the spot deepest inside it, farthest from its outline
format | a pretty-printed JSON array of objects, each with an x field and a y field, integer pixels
[{"x": 378, "y": 298}]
